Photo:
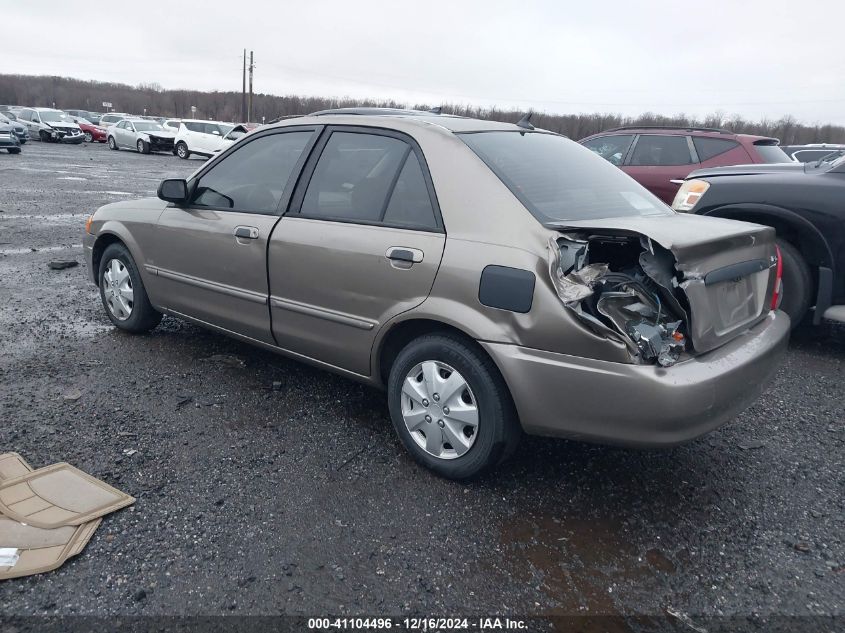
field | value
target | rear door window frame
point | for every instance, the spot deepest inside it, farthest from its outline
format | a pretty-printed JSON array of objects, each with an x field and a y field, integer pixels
[{"x": 295, "y": 207}]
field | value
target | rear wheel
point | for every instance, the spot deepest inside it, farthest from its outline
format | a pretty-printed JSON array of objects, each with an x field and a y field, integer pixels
[
  {"x": 14, "y": 150},
  {"x": 796, "y": 283},
  {"x": 122, "y": 292},
  {"x": 450, "y": 407},
  {"x": 112, "y": 143},
  {"x": 182, "y": 150},
  {"x": 143, "y": 147}
]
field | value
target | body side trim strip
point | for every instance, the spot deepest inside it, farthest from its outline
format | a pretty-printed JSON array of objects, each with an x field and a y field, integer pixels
[{"x": 321, "y": 313}]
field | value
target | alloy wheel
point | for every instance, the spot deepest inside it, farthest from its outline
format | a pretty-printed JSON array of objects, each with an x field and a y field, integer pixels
[
  {"x": 117, "y": 290},
  {"x": 439, "y": 410}
]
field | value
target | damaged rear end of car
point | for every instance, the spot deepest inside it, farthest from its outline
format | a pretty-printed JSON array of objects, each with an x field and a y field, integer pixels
[{"x": 666, "y": 288}]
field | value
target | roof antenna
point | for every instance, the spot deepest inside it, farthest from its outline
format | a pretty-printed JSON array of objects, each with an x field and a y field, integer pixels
[
  {"x": 437, "y": 110},
  {"x": 525, "y": 122}
]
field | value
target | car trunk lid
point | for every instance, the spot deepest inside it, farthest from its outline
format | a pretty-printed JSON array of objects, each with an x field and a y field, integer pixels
[{"x": 722, "y": 273}]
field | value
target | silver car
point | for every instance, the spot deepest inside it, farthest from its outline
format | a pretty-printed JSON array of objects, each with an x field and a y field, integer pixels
[{"x": 142, "y": 135}]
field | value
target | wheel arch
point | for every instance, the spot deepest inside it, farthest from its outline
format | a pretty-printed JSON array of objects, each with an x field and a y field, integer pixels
[
  {"x": 397, "y": 335},
  {"x": 109, "y": 234},
  {"x": 789, "y": 225}
]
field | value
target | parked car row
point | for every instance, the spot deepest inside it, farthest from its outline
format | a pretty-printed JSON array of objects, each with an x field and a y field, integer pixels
[{"x": 797, "y": 190}]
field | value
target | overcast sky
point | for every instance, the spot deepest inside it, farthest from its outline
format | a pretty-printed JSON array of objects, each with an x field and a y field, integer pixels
[{"x": 753, "y": 58}]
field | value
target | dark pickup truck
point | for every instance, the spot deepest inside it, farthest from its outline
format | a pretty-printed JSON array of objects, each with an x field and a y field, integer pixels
[{"x": 805, "y": 204}]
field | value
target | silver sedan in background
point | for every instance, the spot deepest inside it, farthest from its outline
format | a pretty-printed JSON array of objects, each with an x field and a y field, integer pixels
[{"x": 140, "y": 134}]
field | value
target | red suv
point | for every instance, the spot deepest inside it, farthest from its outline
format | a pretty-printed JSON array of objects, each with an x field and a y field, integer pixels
[{"x": 657, "y": 156}]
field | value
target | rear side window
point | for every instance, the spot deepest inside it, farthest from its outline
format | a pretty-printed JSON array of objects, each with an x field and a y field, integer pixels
[
  {"x": 557, "y": 179},
  {"x": 612, "y": 148},
  {"x": 354, "y": 177},
  {"x": 770, "y": 152},
  {"x": 653, "y": 149},
  {"x": 410, "y": 204},
  {"x": 708, "y": 148},
  {"x": 193, "y": 126},
  {"x": 254, "y": 178}
]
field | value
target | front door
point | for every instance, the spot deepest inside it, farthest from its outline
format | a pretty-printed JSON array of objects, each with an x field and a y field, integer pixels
[
  {"x": 209, "y": 257},
  {"x": 362, "y": 243}
]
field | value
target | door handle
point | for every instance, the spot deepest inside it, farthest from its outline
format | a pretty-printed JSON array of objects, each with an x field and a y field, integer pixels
[
  {"x": 246, "y": 232},
  {"x": 404, "y": 254}
]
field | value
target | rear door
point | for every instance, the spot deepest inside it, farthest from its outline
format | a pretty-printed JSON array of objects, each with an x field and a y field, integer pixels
[
  {"x": 658, "y": 159},
  {"x": 209, "y": 258},
  {"x": 362, "y": 243}
]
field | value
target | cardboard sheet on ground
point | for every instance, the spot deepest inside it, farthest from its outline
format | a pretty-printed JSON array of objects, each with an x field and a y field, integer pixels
[
  {"x": 26, "y": 550},
  {"x": 59, "y": 495}
]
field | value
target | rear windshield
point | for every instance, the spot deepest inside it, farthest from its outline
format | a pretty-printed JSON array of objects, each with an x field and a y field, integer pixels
[
  {"x": 771, "y": 153},
  {"x": 558, "y": 179}
]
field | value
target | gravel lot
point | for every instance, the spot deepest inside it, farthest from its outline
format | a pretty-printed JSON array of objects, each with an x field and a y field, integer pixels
[{"x": 268, "y": 487}]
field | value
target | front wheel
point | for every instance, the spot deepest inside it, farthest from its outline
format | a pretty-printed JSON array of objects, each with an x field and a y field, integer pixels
[
  {"x": 796, "y": 283},
  {"x": 89, "y": 138},
  {"x": 450, "y": 407},
  {"x": 112, "y": 143},
  {"x": 122, "y": 292},
  {"x": 44, "y": 136},
  {"x": 143, "y": 147},
  {"x": 14, "y": 150},
  {"x": 182, "y": 150}
]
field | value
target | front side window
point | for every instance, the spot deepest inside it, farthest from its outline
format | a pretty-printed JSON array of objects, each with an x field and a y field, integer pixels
[
  {"x": 354, "y": 177},
  {"x": 557, "y": 179},
  {"x": 611, "y": 148},
  {"x": 654, "y": 149},
  {"x": 195, "y": 126},
  {"x": 254, "y": 178}
]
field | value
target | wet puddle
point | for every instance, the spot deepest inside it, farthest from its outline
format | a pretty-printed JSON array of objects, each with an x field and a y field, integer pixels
[{"x": 581, "y": 563}]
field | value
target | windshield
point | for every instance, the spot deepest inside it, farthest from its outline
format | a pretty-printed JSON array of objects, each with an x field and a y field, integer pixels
[
  {"x": 54, "y": 117},
  {"x": 225, "y": 128},
  {"x": 10, "y": 115},
  {"x": 81, "y": 120},
  {"x": 3, "y": 119},
  {"x": 558, "y": 179},
  {"x": 147, "y": 126}
]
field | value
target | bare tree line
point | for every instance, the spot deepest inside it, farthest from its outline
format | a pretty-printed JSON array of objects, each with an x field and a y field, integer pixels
[{"x": 64, "y": 92}]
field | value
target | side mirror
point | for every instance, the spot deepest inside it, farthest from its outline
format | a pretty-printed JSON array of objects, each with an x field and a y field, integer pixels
[{"x": 173, "y": 190}]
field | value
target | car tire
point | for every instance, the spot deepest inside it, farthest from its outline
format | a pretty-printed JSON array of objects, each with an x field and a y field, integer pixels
[
  {"x": 43, "y": 136},
  {"x": 497, "y": 431},
  {"x": 135, "y": 314},
  {"x": 113, "y": 144},
  {"x": 143, "y": 147},
  {"x": 796, "y": 283},
  {"x": 89, "y": 138},
  {"x": 182, "y": 150},
  {"x": 14, "y": 150}
]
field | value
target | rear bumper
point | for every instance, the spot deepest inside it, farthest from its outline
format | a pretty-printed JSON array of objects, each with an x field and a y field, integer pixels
[
  {"x": 7, "y": 142},
  {"x": 640, "y": 405}
]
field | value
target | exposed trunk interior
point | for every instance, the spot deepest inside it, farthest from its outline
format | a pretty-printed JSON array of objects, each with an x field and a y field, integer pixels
[{"x": 664, "y": 304}]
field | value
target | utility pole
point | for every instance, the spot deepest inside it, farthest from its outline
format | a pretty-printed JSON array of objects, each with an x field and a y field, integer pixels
[
  {"x": 243, "y": 92},
  {"x": 249, "y": 108}
]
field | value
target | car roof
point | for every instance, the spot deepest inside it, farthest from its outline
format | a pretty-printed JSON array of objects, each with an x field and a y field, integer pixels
[
  {"x": 678, "y": 131},
  {"x": 388, "y": 118}
]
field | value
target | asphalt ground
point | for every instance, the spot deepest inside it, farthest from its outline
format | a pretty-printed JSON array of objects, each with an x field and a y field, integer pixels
[{"x": 267, "y": 487}]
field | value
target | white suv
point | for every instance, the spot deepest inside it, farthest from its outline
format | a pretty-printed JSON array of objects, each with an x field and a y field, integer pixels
[{"x": 200, "y": 137}]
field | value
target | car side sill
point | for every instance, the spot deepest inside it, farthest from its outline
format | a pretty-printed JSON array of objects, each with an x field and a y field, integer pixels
[
  {"x": 239, "y": 293},
  {"x": 274, "y": 348}
]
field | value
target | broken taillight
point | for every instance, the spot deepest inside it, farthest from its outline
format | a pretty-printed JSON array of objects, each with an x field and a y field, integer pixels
[{"x": 778, "y": 275}]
